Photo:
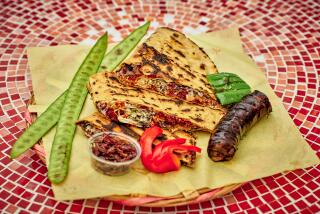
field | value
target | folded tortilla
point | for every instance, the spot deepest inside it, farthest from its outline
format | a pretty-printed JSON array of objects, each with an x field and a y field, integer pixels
[
  {"x": 170, "y": 64},
  {"x": 97, "y": 122},
  {"x": 144, "y": 109}
]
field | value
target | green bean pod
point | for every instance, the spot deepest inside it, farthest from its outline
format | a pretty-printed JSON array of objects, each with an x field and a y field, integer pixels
[
  {"x": 38, "y": 128},
  {"x": 76, "y": 95},
  {"x": 117, "y": 55},
  {"x": 51, "y": 116}
]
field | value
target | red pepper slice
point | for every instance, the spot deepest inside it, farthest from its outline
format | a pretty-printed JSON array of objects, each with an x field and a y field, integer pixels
[
  {"x": 167, "y": 163},
  {"x": 147, "y": 138},
  {"x": 172, "y": 147},
  {"x": 162, "y": 159},
  {"x": 159, "y": 148}
]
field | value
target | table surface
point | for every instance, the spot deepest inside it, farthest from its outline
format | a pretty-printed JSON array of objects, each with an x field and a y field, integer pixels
[{"x": 282, "y": 37}]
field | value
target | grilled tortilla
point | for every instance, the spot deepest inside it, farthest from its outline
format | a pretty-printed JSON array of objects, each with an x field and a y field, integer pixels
[
  {"x": 144, "y": 109},
  {"x": 97, "y": 122},
  {"x": 170, "y": 64}
]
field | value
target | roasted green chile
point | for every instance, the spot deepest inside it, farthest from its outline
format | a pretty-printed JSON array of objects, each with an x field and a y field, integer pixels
[
  {"x": 229, "y": 88},
  {"x": 232, "y": 96}
]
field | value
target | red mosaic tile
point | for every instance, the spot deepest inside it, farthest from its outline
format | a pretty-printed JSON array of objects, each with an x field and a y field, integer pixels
[
  {"x": 284, "y": 34},
  {"x": 206, "y": 204},
  {"x": 88, "y": 210},
  {"x": 264, "y": 208},
  {"x": 169, "y": 209},
  {"x": 193, "y": 206},
  {"x": 3, "y": 205},
  {"x": 34, "y": 207},
  {"x": 315, "y": 209},
  {"x": 233, "y": 208}
]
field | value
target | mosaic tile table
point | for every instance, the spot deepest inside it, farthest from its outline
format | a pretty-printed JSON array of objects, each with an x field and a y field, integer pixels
[{"x": 283, "y": 37}]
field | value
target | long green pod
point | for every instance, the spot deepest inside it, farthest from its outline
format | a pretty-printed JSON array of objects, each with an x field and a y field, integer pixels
[
  {"x": 50, "y": 117},
  {"x": 39, "y": 128},
  {"x": 73, "y": 103},
  {"x": 117, "y": 55}
]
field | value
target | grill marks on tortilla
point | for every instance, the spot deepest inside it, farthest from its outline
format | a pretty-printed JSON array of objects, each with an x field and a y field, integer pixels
[
  {"x": 111, "y": 91},
  {"x": 114, "y": 78},
  {"x": 176, "y": 41},
  {"x": 155, "y": 61},
  {"x": 149, "y": 64},
  {"x": 155, "y": 68},
  {"x": 176, "y": 35},
  {"x": 97, "y": 123},
  {"x": 117, "y": 90},
  {"x": 186, "y": 68},
  {"x": 160, "y": 58},
  {"x": 150, "y": 56},
  {"x": 156, "y": 55},
  {"x": 180, "y": 53}
]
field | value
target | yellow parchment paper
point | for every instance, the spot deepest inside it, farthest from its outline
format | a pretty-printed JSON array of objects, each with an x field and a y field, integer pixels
[{"x": 273, "y": 145}]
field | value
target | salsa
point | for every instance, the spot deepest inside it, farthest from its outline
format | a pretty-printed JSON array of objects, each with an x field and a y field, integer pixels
[{"x": 114, "y": 149}]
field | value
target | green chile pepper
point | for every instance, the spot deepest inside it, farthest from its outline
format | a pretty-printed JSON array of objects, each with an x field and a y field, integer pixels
[
  {"x": 232, "y": 86},
  {"x": 233, "y": 96},
  {"x": 229, "y": 88}
]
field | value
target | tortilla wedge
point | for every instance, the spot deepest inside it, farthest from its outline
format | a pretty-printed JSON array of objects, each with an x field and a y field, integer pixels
[
  {"x": 144, "y": 109},
  {"x": 97, "y": 122},
  {"x": 170, "y": 64}
]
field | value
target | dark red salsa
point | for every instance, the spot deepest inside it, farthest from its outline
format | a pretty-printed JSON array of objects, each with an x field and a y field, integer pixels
[{"x": 114, "y": 149}]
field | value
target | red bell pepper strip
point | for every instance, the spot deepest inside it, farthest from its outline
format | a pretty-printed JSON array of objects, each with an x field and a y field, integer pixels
[
  {"x": 158, "y": 149},
  {"x": 162, "y": 159},
  {"x": 173, "y": 147},
  {"x": 147, "y": 138},
  {"x": 167, "y": 163}
]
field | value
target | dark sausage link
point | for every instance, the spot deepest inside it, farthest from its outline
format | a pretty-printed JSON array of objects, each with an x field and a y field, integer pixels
[{"x": 240, "y": 118}]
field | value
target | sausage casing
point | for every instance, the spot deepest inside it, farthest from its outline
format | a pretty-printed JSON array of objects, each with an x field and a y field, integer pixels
[{"x": 240, "y": 118}]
